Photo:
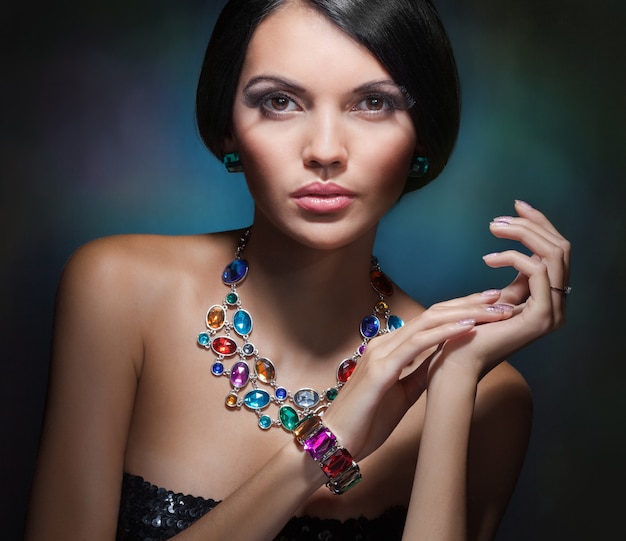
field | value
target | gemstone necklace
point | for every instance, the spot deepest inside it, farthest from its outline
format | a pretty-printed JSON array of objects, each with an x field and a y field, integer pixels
[{"x": 249, "y": 366}]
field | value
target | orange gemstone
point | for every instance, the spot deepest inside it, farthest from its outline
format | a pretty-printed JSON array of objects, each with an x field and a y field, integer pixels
[
  {"x": 215, "y": 317},
  {"x": 381, "y": 283},
  {"x": 231, "y": 400},
  {"x": 265, "y": 370}
]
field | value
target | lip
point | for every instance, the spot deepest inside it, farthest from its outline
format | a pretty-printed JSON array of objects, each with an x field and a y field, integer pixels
[{"x": 323, "y": 197}]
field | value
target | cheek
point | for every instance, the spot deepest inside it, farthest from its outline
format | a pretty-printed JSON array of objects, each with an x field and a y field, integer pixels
[{"x": 390, "y": 153}]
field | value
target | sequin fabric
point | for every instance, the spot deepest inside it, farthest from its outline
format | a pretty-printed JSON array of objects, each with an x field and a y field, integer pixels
[{"x": 151, "y": 513}]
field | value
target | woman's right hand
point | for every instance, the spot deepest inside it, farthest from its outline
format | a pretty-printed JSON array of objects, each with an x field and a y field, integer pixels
[{"x": 378, "y": 395}]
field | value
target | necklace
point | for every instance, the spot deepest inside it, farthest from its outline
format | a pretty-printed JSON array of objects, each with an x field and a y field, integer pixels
[{"x": 222, "y": 335}]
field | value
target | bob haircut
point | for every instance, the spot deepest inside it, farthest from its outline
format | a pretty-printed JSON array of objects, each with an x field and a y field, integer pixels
[{"x": 406, "y": 36}]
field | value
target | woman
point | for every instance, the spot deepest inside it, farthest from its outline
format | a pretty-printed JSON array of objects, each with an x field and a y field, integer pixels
[{"x": 325, "y": 107}]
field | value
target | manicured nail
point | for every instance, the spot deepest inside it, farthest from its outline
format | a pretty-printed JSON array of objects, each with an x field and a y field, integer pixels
[
  {"x": 492, "y": 254},
  {"x": 466, "y": 322},
  {"x": 523, "y": 203},
  {"x": 496, "y": 223},
  {"x": 500, "y": 307},
  {"x": 492, "y": 292},
  {"x": 503, "y": 219}
]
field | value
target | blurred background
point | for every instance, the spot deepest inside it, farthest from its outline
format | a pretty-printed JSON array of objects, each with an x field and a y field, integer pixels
[{"x": 98, "y": 138}]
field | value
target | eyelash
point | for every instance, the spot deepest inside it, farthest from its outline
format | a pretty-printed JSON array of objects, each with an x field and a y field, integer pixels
[{"x": 390, "y": 104}]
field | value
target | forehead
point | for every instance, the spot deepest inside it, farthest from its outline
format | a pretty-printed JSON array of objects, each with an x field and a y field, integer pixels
[{"x": 298, "y": 41}]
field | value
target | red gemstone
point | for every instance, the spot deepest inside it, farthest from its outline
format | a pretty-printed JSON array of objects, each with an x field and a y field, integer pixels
[
  {"x": 345, "y": 370},
  {"x": 224, "y": 346},
  {"x": 338, "y": 462},
  {"x": 381, "y": 283}
]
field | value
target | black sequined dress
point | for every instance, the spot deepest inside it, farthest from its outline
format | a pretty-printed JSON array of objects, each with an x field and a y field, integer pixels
[{"x": 151, "y": 513}]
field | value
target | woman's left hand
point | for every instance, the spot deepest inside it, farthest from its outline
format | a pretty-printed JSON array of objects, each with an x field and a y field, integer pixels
[{"x": 538, "y": 293}]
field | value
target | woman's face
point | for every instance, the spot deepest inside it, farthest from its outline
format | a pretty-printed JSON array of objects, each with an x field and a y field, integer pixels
[{"x": 324, "y": 134}]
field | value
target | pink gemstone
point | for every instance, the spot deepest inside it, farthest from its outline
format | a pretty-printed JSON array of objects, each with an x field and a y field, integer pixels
[
  {"x": 239, "y": 374},
  {"x": 224, "y": 346},
  {"x": 345, "y": 370},
  {"x": 319, "y": 444}
]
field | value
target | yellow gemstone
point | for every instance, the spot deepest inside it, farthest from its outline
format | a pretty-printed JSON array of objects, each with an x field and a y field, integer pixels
[
  {"x": 231, "y": 400},
  {"x": 215, "y": 317},
  {"x": 381, "y": 307}
]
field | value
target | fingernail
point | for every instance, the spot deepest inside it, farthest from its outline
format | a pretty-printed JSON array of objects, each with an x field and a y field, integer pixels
[
  {"x": 500, "y": 307},
  {"x": 503, "y": 219},
  {"x": 495, "y": 223},
  {"x": 492, "y": 254},
  {"x": 466, "y": 322},
  {"x": 523, "y": 203},
  {"x": 491, "y": 292}
]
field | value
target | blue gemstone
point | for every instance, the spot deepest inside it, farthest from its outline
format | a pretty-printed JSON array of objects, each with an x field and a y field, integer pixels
[
  {"x": 217, "y": 369},
  {"x": 394, "y": 322},
  {"x": 281, "y": 393},
  {"x": 235, "y": 271},
  {"x": 204, "y": 339},
  {"x": 242, "y": 322},
  {"x": 370, "y": 326},
  {"x": 265, "y": 422},
  {"x": 256, "y": 399},
  {"x": 247, "y": 349},
  {"x": 306, "y": 398}
]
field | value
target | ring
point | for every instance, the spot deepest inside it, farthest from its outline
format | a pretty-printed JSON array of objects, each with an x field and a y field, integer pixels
[{"x": 565, "y": 290}]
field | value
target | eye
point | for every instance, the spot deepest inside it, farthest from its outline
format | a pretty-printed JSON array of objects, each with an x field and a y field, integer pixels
[
  {"x": 279, "y": 104},
  {"x": 375, "y": 104}
]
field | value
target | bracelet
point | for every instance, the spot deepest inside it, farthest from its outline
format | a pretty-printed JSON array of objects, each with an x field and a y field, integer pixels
[{"x": 335, "y": 461}]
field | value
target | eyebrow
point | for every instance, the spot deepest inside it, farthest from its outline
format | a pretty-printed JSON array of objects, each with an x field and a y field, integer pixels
[
  {"x": 276, "y": 80},
  {"x": 294, "y": 87}
]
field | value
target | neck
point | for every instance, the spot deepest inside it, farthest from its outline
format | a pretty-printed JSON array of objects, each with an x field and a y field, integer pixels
[{"x": 318, "y": 296}]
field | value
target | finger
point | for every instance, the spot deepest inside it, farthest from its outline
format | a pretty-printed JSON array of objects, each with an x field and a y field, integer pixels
[
  {"x": 526, "y": 210},
  {"x": 517, "y": 291},
  {"x": 440, "y": 315},
  {"x": 391, "y": 358},
  {"x": 553, "y": 251},
  {"x": 486, "y": 297},
  {"x": 537, "y": 276}
]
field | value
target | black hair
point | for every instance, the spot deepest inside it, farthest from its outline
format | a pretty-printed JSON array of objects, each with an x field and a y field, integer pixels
[{"x": 406, "y": 36}]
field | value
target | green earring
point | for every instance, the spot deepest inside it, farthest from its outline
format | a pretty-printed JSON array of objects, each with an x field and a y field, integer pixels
[
  {"x": 419, "y": 167},
  {"x": 232, "y": 162}
]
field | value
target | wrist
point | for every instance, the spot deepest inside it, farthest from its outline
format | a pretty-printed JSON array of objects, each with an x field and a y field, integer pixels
[{"x": 336, "y": 462}]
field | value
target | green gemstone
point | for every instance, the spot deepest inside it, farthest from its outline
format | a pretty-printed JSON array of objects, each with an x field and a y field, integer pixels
[
  {"x": 332, "y": 393},
  {"x": 232, "y": 298},
  {"x": 288, "y": 417}
]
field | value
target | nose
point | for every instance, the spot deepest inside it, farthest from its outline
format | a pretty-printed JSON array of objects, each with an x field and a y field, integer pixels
[{"x": 325, "y": 142}]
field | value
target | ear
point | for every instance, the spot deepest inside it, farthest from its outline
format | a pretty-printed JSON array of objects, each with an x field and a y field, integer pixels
[{"x": 229, "y": 145}]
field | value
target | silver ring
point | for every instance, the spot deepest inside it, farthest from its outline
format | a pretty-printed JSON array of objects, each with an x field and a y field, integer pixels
[{"x": 565, "y": 290}]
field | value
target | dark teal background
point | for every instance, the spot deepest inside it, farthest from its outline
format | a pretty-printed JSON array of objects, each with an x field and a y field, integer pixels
[{"x": 98, "y": 138}]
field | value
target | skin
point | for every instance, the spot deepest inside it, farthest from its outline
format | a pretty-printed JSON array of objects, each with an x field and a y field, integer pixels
[{"x": 432, "y": 401}]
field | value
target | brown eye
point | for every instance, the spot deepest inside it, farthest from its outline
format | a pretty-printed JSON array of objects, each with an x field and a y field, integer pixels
[
  {"x": 375, "y": 104},
  {"x": 279, "y": 103}
]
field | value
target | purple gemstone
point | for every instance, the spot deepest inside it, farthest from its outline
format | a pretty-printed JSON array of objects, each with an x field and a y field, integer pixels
[
  {"x": 320, "y": 443},
  {"x": 239, "y": 374},
  {"x": 235, "y": 271}
]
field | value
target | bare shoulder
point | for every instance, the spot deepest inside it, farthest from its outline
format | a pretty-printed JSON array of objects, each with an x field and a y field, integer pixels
[
  {"x": 136, "y": 253},
  {"x": 505, "y": 390},
  {"x": 131, "y": 265}
]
